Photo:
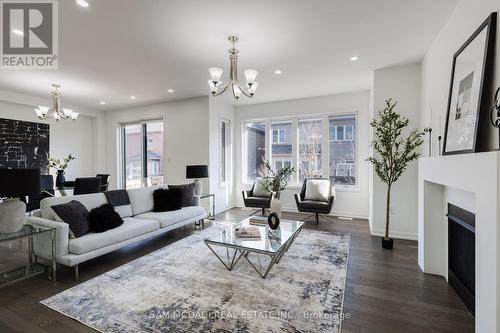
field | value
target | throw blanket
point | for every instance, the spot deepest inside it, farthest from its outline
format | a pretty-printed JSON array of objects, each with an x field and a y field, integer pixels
[{"x": 117, "y": 197}]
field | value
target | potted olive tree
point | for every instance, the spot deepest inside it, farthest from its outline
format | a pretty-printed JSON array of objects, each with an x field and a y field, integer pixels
[{"x": 393, "y": 152}]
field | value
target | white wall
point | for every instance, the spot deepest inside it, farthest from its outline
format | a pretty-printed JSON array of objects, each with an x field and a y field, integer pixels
[
  {"x": 437, "y": 63},
  {"x": 436, "y": 71},
  {"x": 402, "y": 84},
  {"x": 353, "y": 202},
  {"x": 82, "y": 138},
  {"x": 224, "y": 193},
  {"x": 186, "y": 135}
]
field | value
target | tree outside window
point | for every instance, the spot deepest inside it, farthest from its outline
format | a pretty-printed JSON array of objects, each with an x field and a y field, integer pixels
[{"x": 310, "y": 153}]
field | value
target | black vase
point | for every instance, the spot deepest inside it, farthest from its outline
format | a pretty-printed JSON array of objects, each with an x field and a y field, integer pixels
[
  {"x": 387, "y": 243},
  {"x": 60, "y": 179}
]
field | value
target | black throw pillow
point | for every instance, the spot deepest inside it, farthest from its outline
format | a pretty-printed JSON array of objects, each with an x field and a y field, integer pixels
[
  {"x": 75, "y": 214},
  {"x": 104, "y": 218},
  {"x": 166, "y": 200},
  {"x": 187, "y": 193}
]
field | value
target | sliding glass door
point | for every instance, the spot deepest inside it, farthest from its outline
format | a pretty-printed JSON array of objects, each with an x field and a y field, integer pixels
[{"x": 142, "y": 152}]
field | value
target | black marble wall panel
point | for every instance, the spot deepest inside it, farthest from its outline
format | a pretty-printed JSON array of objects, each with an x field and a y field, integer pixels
[{"x": 24, "y": 144}]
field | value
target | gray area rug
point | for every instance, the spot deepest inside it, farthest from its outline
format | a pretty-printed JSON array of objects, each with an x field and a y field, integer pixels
[{"x": 184, "y": 288}]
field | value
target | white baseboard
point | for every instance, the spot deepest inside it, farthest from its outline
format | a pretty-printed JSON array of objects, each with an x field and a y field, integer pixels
[
  {"x": 333, "y": 213},
  {"x": 395, "y": 234}
]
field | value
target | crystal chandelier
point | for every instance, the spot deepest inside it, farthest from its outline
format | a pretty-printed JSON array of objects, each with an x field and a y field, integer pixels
[
  {"x": 45, "y": 112},
  {"x": 217, "y": 87}
]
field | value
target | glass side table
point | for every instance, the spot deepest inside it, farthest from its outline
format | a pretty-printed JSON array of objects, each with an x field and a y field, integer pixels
[
  {"x": 211, "y": 216},
  {"x": 32, "y": 268}
]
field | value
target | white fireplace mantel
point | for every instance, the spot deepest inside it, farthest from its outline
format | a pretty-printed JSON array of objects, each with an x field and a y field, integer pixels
[{"x": 478, "y": 174}]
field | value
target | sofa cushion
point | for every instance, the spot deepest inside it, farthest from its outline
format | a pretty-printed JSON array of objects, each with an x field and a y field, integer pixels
[
  {"x": 141, "y": 199},
  {"x": 90, "y": 201},
  {"x": 130, "y": 228},
  {"x": 119, "y": 200},
  {"x": 168, "y": 218}
]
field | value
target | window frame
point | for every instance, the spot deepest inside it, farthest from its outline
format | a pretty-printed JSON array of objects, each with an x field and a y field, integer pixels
[
  {"x": 355, "y": 139},
  {"x": 224, "y": 181},
  {"x": 294, "y": 183},
  {"x": 280, "y": 130},
  {"x": 122, "y": 179},
  {"x": 344, "y": 132},
  {"x": 244, "y": 150}
]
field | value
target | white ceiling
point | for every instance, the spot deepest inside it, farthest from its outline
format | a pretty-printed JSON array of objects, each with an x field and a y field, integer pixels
[{"x": 116, "y": 48}]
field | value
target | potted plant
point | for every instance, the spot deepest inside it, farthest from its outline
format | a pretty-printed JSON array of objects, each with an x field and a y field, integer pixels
[
  {"x": 275, "y": 182},
  {"x": 393, "y": 152},
  {"x": 60, "y": 166}
]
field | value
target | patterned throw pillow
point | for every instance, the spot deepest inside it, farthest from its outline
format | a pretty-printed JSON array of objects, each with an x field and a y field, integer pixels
[{"x": 75, "y": 215}]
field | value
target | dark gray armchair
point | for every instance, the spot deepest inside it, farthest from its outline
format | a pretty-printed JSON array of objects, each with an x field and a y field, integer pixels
[
  {"x": 316, "y": 207},
  {"x": 256, "y": 200}
]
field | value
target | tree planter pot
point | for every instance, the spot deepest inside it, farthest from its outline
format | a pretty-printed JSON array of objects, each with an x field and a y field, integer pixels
[{"x": 387, "y": 243}]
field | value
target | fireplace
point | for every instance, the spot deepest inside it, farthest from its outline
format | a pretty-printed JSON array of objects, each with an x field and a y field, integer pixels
[{"x": 462, "y": 254}]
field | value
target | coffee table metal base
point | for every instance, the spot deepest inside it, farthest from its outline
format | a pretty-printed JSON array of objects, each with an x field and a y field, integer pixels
[{"x": 232, "y": 257}]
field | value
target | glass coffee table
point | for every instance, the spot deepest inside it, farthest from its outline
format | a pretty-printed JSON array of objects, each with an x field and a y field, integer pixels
[{"x": 272, "y": 243}]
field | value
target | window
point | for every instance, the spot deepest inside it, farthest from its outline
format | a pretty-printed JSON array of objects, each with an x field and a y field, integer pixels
[
  {"x": 342, "y": 149},
  {"x": 281, "y": 149},
  {"x": 310, "y": 153},
  {"x": 317, "y": 146},
  {"x": 255, "y": 148},
  {"x": 142, "y": 151},
  {"x": 278, "y": 165},
  {"x": 341, "y": 132},
  {"x": 279, "y": 135},
  {"x": 224, "y": 150}
]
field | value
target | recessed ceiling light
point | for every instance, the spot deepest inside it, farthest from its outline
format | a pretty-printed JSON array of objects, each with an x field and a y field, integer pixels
[
  {"x": 82, "y": 3},
  {"x": 17, "y": 32},
  {"x": 170, "y": 90},
  {"x": 354, "y": 58},
  {"x": 102, "y": 102},
  {"x": 132, "y": 97},
  {"x": 278, "y": 71}
]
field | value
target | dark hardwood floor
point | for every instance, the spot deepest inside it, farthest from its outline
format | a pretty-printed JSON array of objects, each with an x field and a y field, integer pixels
[{"x": 385, "y": 291}]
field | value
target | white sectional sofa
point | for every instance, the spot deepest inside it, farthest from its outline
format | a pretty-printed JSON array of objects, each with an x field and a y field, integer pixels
[{"x": 140, "y": 222}]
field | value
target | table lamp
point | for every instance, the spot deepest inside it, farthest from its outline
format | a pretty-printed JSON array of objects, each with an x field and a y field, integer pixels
[{"x": 196, "y": 172}]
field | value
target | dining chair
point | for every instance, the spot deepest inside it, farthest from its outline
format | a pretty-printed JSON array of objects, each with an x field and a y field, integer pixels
[
  {"x": 46, "y": 191},
  {"x": 87, "y": 185},
  {"x": 104, "y": 181}
]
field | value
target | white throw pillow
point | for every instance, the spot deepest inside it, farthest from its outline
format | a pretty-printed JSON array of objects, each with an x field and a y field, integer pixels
[
  {"x": 258, "y": 191},
  {"x": 317, "y": 190}
]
